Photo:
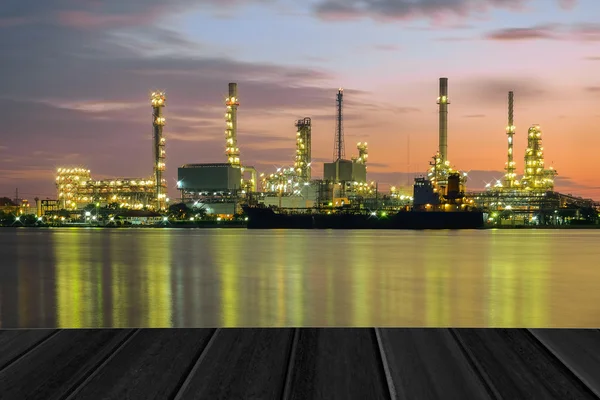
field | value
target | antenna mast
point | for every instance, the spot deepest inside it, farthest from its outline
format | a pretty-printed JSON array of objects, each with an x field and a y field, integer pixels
[{"x": 338, "y": 152}]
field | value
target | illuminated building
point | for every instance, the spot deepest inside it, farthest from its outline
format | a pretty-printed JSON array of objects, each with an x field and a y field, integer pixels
[
  {"x": 536, "y": 177},
  {"x": 76, "y": 189},
  {"x": 303, "y": 149}
]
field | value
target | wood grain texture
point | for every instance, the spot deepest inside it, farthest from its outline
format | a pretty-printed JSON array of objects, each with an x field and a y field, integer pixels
[
  {"x": 243, "y": 364},
  {"x": 578, "y": 349},
  {"x": 150, "y": 367},
  {"x": 519, "y": 367},
  {"x": 338, "y": 364},
  {"x": 428, "y": 364},
  {"x": 52, "y": 370},
  {"x": 15, "y": 343},
  {"x": 324, "y": 364}
]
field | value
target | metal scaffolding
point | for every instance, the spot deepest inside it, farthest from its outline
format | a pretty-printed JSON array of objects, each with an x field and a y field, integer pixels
[{"x": 303, "y": 149}]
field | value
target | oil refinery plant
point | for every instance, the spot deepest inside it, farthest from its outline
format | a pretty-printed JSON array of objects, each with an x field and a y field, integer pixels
[
  {"x": 76, "y": 188},
  {"x": 224, "y": 188}
]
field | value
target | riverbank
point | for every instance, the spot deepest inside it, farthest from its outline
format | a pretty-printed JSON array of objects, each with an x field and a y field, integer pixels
[
  {"x": 174, "y": 224},
  {"x": 239, "y": 225},
  {"x": 554, "y": 227}
]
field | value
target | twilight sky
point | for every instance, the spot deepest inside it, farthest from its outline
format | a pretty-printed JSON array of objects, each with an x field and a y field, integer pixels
[{"x": 77, "y": 77}]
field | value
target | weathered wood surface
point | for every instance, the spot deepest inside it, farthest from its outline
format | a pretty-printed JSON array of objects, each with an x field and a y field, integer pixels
[{"x": 299, "y": 364}]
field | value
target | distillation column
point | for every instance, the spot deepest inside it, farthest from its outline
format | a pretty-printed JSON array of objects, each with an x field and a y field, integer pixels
[
  {"x": 158, "y": 101},
  {"x": 510, "y": 177},
  {"x": 536, "y": 177},
  {"x": 303, "y": 149},
  {"x": 443, "y": 102},
  {"x": 232, "y": 151},
  {"x": 338, "y": 151}
]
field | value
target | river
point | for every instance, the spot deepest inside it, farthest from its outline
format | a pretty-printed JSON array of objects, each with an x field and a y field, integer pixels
[{"x": 86, "y": 277}]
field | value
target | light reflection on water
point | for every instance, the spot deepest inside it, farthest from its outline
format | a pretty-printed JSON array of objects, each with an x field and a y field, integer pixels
[{"x": 232, "y": 277}]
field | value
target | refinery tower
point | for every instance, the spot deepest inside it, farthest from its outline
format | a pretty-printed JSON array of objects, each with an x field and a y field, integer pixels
[{"x": 158, "y": 101}]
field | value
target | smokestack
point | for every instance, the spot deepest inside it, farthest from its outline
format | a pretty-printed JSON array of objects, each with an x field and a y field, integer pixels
[
  {"x": 510, "y": 176},
  {"x": 158, "y": 101},
  {"x": 232, "y": 152},
  {"x": 443, "y": 111},
  {"x": 233, "y": 89},
  {"x": 510, "y": 108}
]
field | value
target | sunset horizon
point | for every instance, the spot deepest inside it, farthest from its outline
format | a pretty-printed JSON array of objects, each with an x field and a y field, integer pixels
[{"x": 81, "y": 78}]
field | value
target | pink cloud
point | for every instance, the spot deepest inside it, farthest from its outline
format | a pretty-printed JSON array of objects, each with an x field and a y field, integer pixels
[
  {"x": 521, "y": 34},
  {"x": 88, "y": 20},
  {"x": 576, "y": 32},
  {"x": 567, "y": 4}
]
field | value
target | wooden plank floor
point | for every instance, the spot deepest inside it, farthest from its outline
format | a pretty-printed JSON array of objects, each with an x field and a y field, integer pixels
[{"x": 299, "y": 364}]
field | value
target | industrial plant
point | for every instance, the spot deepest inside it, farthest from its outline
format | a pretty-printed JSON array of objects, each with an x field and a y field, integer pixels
[
  {"x": 223, "y": 188},
  {"x": 76, "y": 188}
]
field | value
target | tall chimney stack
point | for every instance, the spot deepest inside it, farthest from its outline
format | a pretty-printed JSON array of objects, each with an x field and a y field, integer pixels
[
  {"x": 232, "y": 152},
  {"x": 443, "y": 111},
  {"x": 510, "y": 168}
]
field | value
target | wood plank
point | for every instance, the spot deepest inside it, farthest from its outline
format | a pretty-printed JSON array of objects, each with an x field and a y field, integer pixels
[
  {"x": 15, "y": 343},
  {"x": 579, "y": 349},
  {"x": 428, "y": 364},
  {"x": 338, "y": 364},
  {"x": 242, "y": 364},
  {"x": 519, "y": 367},
  {"x": 61, "y": 363},
  {"x": 152, "y": 366}
]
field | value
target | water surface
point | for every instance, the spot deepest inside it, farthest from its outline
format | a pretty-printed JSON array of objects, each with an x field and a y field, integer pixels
[{"x": 85, "y": 277}]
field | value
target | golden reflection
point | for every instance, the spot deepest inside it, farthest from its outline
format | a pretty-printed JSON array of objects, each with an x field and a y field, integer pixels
[
  {"x": 281, "y": 267},
  {"x": 361, "y": 272},
  {"x": 401, "y": 274},
  {"x": 331, "y": 262},
  {"x": 157, "y": 277},
  {"x": 228, "y": 263},
  {"x": 437, "y": 281},
  {"x": 517, "y": 275},
  {"x": 123, "y": 278},
  {"x": 118, "y": 282},
  {"x": 295, "y": 301},
  {"x": 503, "y": 281},
  {"x": 73, "y": 284},
  {"x": 24, "y": 291},
  {"x": 534, "y": 310}
]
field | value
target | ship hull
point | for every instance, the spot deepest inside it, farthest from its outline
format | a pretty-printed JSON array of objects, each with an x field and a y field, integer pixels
[{"x": 267, "y": 218}]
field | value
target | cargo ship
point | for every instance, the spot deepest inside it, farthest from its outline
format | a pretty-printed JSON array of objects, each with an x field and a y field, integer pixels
[{"x": 262, "y": 217}]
